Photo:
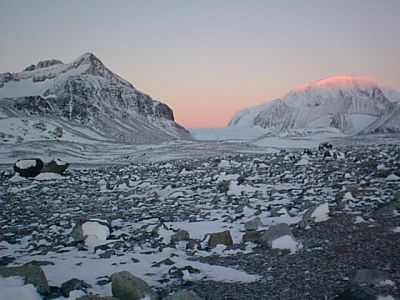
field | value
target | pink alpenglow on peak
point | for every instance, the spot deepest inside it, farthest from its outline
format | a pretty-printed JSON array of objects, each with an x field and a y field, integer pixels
[{"x": 337, "y": 81}]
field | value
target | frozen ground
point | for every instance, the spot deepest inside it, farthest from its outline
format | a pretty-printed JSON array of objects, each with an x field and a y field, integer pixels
[{"x": 343, "y": 212}]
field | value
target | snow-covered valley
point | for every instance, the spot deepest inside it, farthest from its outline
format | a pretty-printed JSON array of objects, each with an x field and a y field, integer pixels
[{"x": 199, "y": 216}]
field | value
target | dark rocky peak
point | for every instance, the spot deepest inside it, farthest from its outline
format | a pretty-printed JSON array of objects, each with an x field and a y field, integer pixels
[{"x": 44, "y": 64}]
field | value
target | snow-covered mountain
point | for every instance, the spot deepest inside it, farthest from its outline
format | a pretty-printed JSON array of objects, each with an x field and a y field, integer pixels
[
  {"x": 349, "y": 105},
  {"x": 80, "y": 101}
]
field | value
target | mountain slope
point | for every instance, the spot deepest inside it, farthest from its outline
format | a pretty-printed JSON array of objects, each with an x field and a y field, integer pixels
[
  {"x": 82, "y": 99},
  {"x": 349, "y": 105}
]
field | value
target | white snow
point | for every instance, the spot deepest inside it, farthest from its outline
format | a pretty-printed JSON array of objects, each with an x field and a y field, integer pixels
[
  {"x": 393, "y": 177},
  {"x": 14, "y": 288},
  {"x": 321, "y": 213},
  {"x": 396, "y": 229},
  {"x": 286, "y": 242},
  {"x": 17, "y": 178},
  {"x": 96, "y": 233},
  {"x": 49, "y": 176},
  {"x": 26, "y": 163}
]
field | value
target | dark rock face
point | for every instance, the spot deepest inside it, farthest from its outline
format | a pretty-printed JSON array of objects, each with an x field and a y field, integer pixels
[
  {"x": 28, "y": 167},
  {"x": 95, "y": 97}
]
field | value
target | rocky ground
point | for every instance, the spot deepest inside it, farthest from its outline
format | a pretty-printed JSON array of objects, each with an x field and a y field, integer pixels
[{"x": 163, "y": 222}]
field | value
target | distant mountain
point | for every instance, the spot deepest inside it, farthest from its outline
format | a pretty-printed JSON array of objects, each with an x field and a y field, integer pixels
[
  {"x": 348, "y": 105},
  {"x": 80, "y": 101}
]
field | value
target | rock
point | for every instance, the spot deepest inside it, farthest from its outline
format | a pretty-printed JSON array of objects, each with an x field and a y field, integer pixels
[
  {"x": 95, "y": 297},
  {"x": 307, "y": 151},
  {"x": 368, "y": 276},
  {"x": 31, "y": 274},
  {"x": 99, "y": 229},
  {"x": 181, "y": 235},
  {"x": 180, "y": 272},
  {"x": 73, "y": 284},
  {"x": 355, "y": 293},
  {"x": 184, "y": 295},
  {"x": 325, "y": 146},
  {"x": 317, "y": 213},
  {"x": 126, "y": 286},
  {"x": 253, "y": 224},
  {"x": 107, "y": 254},
  {"x": 28, "y": 167},
  {"x": 166, "y": 262},
  {"x": 251, "y": 236},
  {"x": 274, "y": 232},
  {"x": 55, "y": 166},
  {"x": 6, "y": 260},
  {"x": 223, "y": 238}
]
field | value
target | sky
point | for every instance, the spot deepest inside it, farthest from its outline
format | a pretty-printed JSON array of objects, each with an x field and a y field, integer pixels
[{"x": 208, "y": 59}]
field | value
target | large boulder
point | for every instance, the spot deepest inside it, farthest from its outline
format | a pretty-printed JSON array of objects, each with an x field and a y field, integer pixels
[
  {"x": 31, "y": 274},
  {"x": 184, "y": 295},
  {"x": 28, "y": 167},
  {"x": 126, "y": 286},
  {"x": 274, "y": 232},
  {"x": 223, "y": 238},
  {"x": 55, "y": 166}
]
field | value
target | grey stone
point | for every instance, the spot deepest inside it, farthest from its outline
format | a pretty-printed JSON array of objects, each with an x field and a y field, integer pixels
[
  {"x": 274, "y": 232},
  {"x": 31, "y": 274},
  {"x": 73, "y": 284},
  {"x": 253, "y": 224},
  {"x": 95, "y": 297},
  {"x": 181, "y": 235},
  {"x": 223, "y": 238},
  {"x": 368, "y": 276},
  {"x": 126, "y": 286},
  {"x": 184, "y": 295}
]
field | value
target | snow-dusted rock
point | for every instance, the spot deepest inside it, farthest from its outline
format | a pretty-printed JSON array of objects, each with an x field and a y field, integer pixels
[
  {"x": 274, "y": 232},
  {"x": 28, "y": 167}
]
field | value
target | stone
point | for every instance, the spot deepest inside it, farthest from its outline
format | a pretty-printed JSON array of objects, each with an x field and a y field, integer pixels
[
  {"x": 325, "y": 146},
  {"x": 181, "y": 235},
  {"x": 31, "y": 274},
  {"x": 95, "y": 297},
  {"x": 184, "y": 295},
  {"x": 28, "y": 167},
  {"x": 274, "y": 232},
  {"x": 126, "y": 286},
  {"x": 354, "y": 293},
  {"x": 73, "y": 284},
  {"x": 368, "y": 276},
  {"x": 55, "y": 166},
  {"x": 251, "y": 236},
  {"x": 253, "y": 224},
  {"x": 223, "y": 238}
]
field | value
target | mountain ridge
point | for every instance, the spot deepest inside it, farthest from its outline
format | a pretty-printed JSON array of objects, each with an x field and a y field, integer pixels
[
  {"x": 84, "y": 93},
  {"x": 350, "y": 105}
]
